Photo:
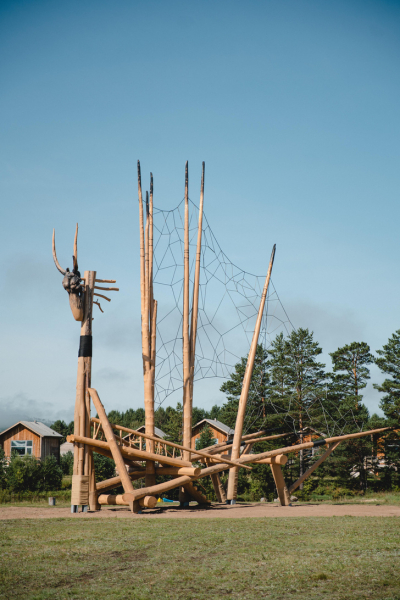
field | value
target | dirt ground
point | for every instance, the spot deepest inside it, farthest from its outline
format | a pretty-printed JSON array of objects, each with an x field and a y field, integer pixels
[{"x": 221, "y": 511}]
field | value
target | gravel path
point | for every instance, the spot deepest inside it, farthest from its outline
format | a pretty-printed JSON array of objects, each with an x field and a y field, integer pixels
[{"x": 221, "y": 511}]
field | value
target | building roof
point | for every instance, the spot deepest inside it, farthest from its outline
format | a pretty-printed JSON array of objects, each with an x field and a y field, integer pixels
[
  {"x": 37, "y": 427},
  {"x": 217, "y": 424},
  {"x": 158, "y": 432}
]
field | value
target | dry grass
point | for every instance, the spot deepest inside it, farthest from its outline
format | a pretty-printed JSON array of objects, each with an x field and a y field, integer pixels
[{"x": 341, "y": 558}]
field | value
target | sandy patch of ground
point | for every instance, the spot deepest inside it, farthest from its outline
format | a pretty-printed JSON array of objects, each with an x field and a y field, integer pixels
[{"x": 215, "y": 511}]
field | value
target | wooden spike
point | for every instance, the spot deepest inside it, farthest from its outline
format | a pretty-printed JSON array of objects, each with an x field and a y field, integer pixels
[
  {"x": 75, "y": 255},
  {"x": 233, "y": 474},
  {"x": 98, "y": 287},
  {"x": 105, "y": 280},
  {"x": 195, "y": 306},
  {"x": 187, "y": 417},
  {"x": 101, "y": 296}
]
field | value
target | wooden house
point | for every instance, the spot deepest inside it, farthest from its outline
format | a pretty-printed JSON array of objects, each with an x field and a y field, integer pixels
[
  {"x": 32, "y": 438},
  {"x": 220, "y": 431}
]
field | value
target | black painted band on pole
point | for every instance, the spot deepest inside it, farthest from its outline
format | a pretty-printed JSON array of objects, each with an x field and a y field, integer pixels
[{"x": 85, "y": 346}]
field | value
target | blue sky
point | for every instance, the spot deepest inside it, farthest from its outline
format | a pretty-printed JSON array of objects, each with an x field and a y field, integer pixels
[{"x": 292, "y": 105}]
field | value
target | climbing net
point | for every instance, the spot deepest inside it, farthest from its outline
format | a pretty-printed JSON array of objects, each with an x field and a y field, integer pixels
[{"x": 229, "y": 299}]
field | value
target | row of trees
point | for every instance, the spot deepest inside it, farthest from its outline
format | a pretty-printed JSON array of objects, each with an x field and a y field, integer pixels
[{"x": 292, "y": 390}]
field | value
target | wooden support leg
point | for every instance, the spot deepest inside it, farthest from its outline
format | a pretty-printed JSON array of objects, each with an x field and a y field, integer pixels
[
  {"x": 110, "y": 437},
  {"x": 218, "y": 488},
  {"x": 321, "y": 459},
  {"x": 283, "y": 493}
]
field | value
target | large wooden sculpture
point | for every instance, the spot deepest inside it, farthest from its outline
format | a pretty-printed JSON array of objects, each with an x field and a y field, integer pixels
[
  {"x": 139, "y": 455},
  {"x": 81, "y": 292}
]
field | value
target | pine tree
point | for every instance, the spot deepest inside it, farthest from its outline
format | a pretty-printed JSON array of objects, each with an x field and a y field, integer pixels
[
  {"x": 305, "y": 379},
  {"x": 389, "y": 363},
  {"x": 256, "y": 401},
  {"x": 206, "y": 438},
  {"x": 350, "y": 376}
]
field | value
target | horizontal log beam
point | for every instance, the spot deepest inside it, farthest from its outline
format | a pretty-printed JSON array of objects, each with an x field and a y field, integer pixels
[
  {"x": 280, "y": 459},
  {"x": 112, "y": 500},
  {"x": 109, "y": 484},
  {"x": 295, "y": 448}
]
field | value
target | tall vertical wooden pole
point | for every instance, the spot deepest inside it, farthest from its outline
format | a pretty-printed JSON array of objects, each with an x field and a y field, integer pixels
[
  {"x": 83, "y": 480},
  {"x": 233, "y": 473},
  {"x": 187, "y": 413},
  {"x": 195, "y": 304},
  {"x": 146, "y": 341},
  {"x": 196, "y": 283}
]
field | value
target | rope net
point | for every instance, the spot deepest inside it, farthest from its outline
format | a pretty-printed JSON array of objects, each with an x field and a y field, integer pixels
[{"x": 229, "y": 299}]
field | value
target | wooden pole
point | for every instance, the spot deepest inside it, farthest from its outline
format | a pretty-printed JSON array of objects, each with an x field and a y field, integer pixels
[
  {"x": 146, "y": 341},
  {"x": 280, "y": 484},
  {"x": 82, "y": 479},
  {"x": 233, "y": 473},
  {"x": 187, "y": 412},
  {"x": 196, "y": 283},
  {"x": 112, "y": 442},
  {"x": 187, "y": 417},
  {"x": 321, "y": 459}
]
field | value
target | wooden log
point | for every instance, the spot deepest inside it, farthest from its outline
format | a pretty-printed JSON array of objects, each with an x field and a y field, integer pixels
[
  {"x": 109, "y": 484},
  {"x": 113, "y": 482},
  {"x": 112, "y": 500},
  {"x": 320, "y": 460},
  {"x": 280, "y": 459},
  {"x": 280, "y": 484},
  {"x": 187, "y": 416},
  {"x": 233, "y": 473},
  {"x": 192, "y": 471},
  {"x": 132, "y": 453},
  {"x": 305, "y": 445},
  {"x": 111, "y": 441},
  {"x": 157, "y": 489}
]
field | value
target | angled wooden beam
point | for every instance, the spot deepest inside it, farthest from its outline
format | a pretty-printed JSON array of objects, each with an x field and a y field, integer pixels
[
  {"x": 237, "y": 438},
  {"x": 321, "y": 459},
  {"x": 111, "y": 441}
]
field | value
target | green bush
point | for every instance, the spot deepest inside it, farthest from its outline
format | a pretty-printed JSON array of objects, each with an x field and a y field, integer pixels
[
  {"x": 67, "y": 463},
  {"x": 104, "y": 467},
  {"x": 28, "y": 474}
]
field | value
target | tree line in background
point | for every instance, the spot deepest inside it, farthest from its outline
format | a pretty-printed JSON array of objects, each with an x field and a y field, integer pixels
[{"x": 293, "y": 391}]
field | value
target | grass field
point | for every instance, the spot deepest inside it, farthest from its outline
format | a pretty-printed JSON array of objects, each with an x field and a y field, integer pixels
[{"x": 337, "y": 558}]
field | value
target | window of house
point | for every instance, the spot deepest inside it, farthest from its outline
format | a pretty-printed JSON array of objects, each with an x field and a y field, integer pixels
[{"x": 21, "y": 446}]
